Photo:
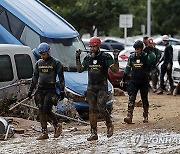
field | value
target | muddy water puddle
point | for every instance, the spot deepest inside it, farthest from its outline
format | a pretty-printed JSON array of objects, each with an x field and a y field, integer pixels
[{"x": 135, "y": 141}]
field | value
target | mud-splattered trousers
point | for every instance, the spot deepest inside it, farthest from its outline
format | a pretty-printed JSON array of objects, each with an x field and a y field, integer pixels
[
  {"x": 138, "y": 66},
  {"x": 97, "y": 90}
]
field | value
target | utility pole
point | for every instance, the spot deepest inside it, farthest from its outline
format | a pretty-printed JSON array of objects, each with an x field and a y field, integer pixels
[{"x": 149, "y": 17}]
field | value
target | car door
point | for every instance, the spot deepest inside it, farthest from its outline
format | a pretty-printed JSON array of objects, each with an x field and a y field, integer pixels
[
  {"x": 24, "y": 71},
  {"x": 8, "y": 75}
]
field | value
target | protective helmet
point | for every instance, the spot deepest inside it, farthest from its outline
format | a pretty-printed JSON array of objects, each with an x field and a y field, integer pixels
[
  {"x": 165, "y": 38},
  {"x": 43, "y": 48},
  {"x": 95, "y": 41},
  {"x": 150, "y": 40},
  {"x": 138, "y": 44}
]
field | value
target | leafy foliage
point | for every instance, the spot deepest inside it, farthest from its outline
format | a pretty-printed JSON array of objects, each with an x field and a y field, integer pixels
[{"x": 88, "y": 15}]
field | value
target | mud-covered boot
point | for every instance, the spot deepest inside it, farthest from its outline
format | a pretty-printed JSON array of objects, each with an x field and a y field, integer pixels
[
  {"x": 145, "y": 115},
  {"x": 93, "y": 135},
  {"x": 57, "y": 130},
  {"x": 110, "y": 130},
  {"x": 154, "y": 89},
  {"x": 160, "y": 92},
  {"x": 145, "y": 120},
  {"x": 128, "y": 119},
  {"x": 93, "y": 123},
  {"x": 44, "y": 135},
  {"x": 176, "y": 90},
  {"x": 171, "y": 91}
]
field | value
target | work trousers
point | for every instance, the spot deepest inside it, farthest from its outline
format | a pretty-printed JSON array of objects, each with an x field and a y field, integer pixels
[
  {"x": 165, "y": 70},
  {"x": 133, "y": 90},
  {"x": 97, "y": 98},
  {"x": 44, "y": 101}
]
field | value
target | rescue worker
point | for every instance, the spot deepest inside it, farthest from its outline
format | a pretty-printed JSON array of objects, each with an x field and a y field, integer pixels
[
  {"x": 154, "y": 71},
  {"x": 97, "y": 64},
  {"x": 138, "y": 65},
  {"x": 145, "y": 41},
  {"x": 44, "y": 77},
  {"x": 166, "y": 67},
  {"x": 176, "y": 90}
]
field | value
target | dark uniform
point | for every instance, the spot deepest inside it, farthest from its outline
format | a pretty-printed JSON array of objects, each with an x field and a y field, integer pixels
[
  {"x": 138, "y": 66},
  {"x": 154, "y": 71},
  {"x": 147, "y": 49},
  {"x": 97, "y": 65},
  {"x": 166, "y": 67},
  {"x": 97, "y": 89},
  {"x": 45, "y": 78}
]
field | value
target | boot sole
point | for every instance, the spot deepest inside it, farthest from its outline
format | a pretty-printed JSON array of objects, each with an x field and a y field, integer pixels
[
  {"x": 128, "y": 121},
  {"x": 112, "y": 130},
  {"x": 42, "y": 138},
  {"x": 93, "y": 139},
  {"x": 59, "y": 130}
]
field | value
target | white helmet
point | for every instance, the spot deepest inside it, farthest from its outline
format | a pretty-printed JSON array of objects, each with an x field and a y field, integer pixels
[{"x": 165, "y": 38}]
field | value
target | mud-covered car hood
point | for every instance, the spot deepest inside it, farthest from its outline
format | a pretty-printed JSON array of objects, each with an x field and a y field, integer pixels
[{"x": 78, "y": 81}]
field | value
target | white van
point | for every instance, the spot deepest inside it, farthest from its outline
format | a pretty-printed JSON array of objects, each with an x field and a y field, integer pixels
[{"x": 16, "y": 70}]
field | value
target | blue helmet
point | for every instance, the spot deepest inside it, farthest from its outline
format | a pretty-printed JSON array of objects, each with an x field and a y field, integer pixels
[{"x": 43, "y": 48}]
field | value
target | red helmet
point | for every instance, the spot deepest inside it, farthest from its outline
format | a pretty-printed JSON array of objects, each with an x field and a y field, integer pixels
[
  {"x": 95, "y": 41},
  {"x": 150, "y": 41}
]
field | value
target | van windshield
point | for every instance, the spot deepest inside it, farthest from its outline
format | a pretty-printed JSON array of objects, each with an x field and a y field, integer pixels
[{"x": 65, "y": 49}]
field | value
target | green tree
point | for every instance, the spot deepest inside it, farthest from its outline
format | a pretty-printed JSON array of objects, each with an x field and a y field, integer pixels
[
  {"x": 165, "y": 16},
  {"x": 88, "y": 15}
]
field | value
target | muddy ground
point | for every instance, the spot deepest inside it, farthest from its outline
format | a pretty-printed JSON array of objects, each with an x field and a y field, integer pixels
[{"x": 160, "y": 135}]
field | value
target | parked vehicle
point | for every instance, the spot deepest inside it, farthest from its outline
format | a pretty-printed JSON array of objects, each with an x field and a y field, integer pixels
[
  {"x": 16, "y": 69},
  {"x": 30, "y": 22},
  {"x": 176, "y": 66},
  {"x": 121, "y": 41},
  {"x": 105, "y": 45},
  {"x": 112, "y": 45},
  {"x": 115, "y": 78}
]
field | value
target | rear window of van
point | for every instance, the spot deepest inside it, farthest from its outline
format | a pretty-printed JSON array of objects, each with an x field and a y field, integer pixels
[
  {"x": 24, "y": 66},
  {"x": 6, "y": 71}
]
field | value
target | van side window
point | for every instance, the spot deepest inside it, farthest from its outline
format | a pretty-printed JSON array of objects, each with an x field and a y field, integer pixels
[
  {"x": 24, "y": 66},
  {"x": 7, "y": 19},
  {"x": 30, "y": 38},
  {"x": 6, "y": 71}
]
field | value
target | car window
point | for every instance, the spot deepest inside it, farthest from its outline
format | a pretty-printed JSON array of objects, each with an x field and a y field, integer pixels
[
  {"x": 6, "y": 69},
  {"x": 104, "y": 46},
  {"x": 160, "y": 43},
  {"x": 24, "y": 66},
  {"x": 111, "y": 41},
  {"x": 65, "y": 49},
  {"x": 7, "y": 19},
  {"x": 174, "y": 42},
  {"x": 30, "y": 38},
  {"x": 116, "y": 46}
]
